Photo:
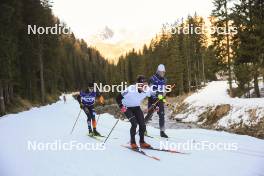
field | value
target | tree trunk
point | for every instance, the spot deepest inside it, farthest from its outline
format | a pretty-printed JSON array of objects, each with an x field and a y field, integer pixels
[
  {"x": 181, "y": 88},
  {"x": 29, "y": 92},
  {"x": 2, "y": 101},
  {"x": 256, "y": 86},
  {"x": 42, "y": 82},
  {"x": 188, "y": 74},
  {"x": 11, "y": 92},
  {"x": 6, "y": 94},
  {"x": 228, "y": 52},
  {"x": 248, "y": 90},
  {"x": 203, "y": 71},
  {"x": 263, "y": 81},
  {"x": 189, "y": 64},
  {"x": 195, "y": 76},
  {"x": 196, "y": 82},
  {"x": 199, "y": 77}
]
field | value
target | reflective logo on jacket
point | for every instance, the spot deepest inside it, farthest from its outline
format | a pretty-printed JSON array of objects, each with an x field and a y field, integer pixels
[{"x": 88, "y": 98}]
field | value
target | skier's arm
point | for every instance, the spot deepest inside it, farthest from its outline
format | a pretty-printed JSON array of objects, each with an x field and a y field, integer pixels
[
  {"x": 80, "y": 101},
  {"x": 98, "y": 94},
  {"x": 100, "y": 97},
  {"x": 120, "y": 97},
  {"x": 120, "y": 104},
  {"x": 119, "y": 100},
  {"x": 79, "y": 98},
  {"x": 150, "y": 92},
  {"x": 160, "y": 90},
  {"x": 151, "y": 82},
  {"x": 151, "y": 86}
]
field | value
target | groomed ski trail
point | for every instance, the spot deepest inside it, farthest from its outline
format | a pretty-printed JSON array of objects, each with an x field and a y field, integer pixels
[{"x": 54, "y": 122}]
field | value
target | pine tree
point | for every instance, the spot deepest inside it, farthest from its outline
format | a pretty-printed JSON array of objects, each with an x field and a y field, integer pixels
[
  {"x": 248, "y": 46},
  {"x": 221, "y": 19}
]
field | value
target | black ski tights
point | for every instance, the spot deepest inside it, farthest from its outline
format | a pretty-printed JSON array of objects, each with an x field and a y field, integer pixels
[
  {"x": 135, "y": 116},
  {"x": 89, "y": 111}
]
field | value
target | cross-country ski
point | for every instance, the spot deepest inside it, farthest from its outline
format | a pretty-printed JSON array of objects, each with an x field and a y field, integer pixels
[
  {"x": 166, "y": 150},
  {"x": 139, "y": 150}
]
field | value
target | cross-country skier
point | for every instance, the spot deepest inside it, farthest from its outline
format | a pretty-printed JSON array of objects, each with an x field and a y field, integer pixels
[
  {"x": 158, "y": 83},
  {"x": 129, "y": 102},
  {"x": 86, "y": 100},
  {"x": 64, "y": 98}
]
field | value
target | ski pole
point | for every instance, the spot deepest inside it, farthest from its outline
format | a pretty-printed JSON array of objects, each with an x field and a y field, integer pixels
[
  {"x": 150, "y": 110},
  {"x": 111, "y": 131},
  {"x": 154, "y": 104},
  {"x": 76, "y": 120},
  {"x": 171, "y": 106},
  {"x": 98, "y": 119}
]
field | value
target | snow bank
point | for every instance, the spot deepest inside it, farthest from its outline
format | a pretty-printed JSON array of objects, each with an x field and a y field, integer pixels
[
  {"x": 241, "y": 112},
  {"x": 215, "y": 93}
]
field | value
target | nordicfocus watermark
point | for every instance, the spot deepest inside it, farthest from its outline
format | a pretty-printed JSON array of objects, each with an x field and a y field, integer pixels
[
  {"x": 191, "y": 29},
  {"x": 58, "y": 145},
  {"x": 124, "y": 85},
  {"x": 191, "y": 145},
  {"x": 56, "y": 29}
]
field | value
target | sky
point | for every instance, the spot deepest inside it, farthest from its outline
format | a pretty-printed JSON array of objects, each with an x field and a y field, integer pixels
[{"x": 133, "y": 22}]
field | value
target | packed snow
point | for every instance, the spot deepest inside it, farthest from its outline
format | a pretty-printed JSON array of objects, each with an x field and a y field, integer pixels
[
  {"x": 214, "y": 94},
  {"x": 53, "y": 123}
]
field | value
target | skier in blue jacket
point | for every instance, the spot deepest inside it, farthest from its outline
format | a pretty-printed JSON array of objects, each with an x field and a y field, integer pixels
[
  {"x": 86, "y": 100},
  {"x": 158, "y": 83}
]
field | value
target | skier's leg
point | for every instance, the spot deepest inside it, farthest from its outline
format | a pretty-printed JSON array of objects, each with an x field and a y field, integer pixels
[
  {"x": 93, "y": 124},
  {"x": 92, "y": 112},
  {"x": 131, "y": 117},
  {"x": 150, "y": 113},
  {"x": 142, "y": 128},
  {"x": 89, "y": 117},
  {"x": 141, "y": 122},
  {"x": 161, "y": 114}
]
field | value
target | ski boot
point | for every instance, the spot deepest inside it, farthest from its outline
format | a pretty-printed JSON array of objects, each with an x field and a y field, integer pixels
[
  {"x": 90, "y": 132},
  {"x": 133, "y": 146},
  {"x": 163, "y": 134},
  {"x": 144, "y": 145},
  {"x": 96, "y": 133}
]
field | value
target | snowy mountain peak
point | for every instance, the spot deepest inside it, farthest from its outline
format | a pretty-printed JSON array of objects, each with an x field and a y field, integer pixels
[{"x": 106, "y": 33}]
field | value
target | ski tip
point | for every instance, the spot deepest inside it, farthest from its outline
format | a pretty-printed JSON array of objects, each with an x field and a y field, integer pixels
[
  {"x": 175, "y": 151},
  {"x": 179, "y": 152},
  {"x": 156, "y": 158}
]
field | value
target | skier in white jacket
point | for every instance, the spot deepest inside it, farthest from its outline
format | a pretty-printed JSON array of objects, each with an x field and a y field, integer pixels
[{"x": 129, "y": 102}]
